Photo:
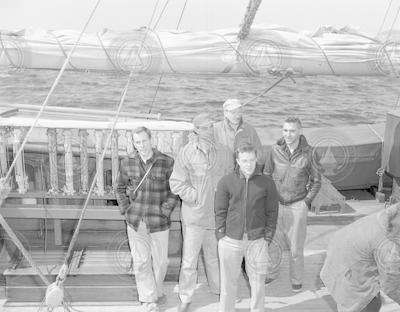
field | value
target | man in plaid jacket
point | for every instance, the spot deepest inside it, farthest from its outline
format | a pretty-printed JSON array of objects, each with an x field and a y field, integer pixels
[{"x": 145, "y": 198}]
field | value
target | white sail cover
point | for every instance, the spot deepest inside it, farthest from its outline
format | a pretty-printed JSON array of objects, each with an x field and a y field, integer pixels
[{"x": 327, "y": 51}]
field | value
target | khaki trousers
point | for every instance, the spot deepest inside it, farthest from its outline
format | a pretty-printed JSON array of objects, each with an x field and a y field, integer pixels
[
  {"x": 291, "y": 232},
  {"x": 150, "y": 261},
  {"x": 231, "y": 253},
  {"x": 194, "y": 239}
]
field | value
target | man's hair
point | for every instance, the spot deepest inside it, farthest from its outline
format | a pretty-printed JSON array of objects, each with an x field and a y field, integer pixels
[
  {"x": 142, "y": 129},
  {"x": 245, "y": 148},
  {"x": 293, "y": 120}
]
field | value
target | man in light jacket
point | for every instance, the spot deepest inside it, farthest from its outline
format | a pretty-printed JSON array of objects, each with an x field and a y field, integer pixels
[
  {"x": 363, "y": 259},
  {"x": 232, "y": 131},
  {"x": 246, "y": 210},
  {"x": 198, "y": 168},
  {"x": 295, "y": 170}
]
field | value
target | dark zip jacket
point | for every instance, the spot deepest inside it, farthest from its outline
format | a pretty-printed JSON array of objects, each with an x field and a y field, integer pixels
[
  {"x": 296, "y": 175},
  {"x": 246, "y": 206}
]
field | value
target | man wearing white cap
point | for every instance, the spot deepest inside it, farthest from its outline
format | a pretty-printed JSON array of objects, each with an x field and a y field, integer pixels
[
  {"x": 198, "y": 168},
  {"x": 233, "y": 131}
]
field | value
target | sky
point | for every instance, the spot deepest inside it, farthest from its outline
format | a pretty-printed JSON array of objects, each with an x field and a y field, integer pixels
[{"x": 199, "y": 15}]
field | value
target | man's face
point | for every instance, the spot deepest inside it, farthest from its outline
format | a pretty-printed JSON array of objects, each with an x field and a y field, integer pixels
[
  {"x": 291, "y": 132},
  {"x": 234, "y": 115},
  {"x": 205, "y": 131},
  {"x": 247, "y": 162},
  {"x": 142, "y": 143}
]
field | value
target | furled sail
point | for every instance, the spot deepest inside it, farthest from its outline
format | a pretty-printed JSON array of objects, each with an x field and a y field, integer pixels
[{"x": 328, "y": 51}]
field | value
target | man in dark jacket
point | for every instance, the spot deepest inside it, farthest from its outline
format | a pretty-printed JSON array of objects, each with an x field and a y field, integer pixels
[
  {"x": 246, "y": 210},
  {"x": 294, "y": 168},
  {"x": 144, "y": 197}
]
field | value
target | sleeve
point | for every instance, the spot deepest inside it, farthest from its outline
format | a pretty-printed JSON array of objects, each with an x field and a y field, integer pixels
[
  {"x": 389, "y": 273},
  {"x": 180, "y": 181},
  {"x": 122, "y": 182},
  {"x": 221, "y": 205},
  {"x": 170, "y": 203},
  {"x": 269, "y": 163},
  {"x": 314, "y": 178},
  {"x": 271, "y": 210}
]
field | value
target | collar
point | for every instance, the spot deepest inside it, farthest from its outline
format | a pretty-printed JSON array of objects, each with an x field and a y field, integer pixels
[
  {"x": 153, "y": 158},
  {"x": 229, "y": 124},
  {"x": 303, "y": 144},
  {"x": 257, "y": 172}
]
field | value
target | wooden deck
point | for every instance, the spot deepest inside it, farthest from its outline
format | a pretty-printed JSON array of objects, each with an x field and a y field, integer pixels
[{"x": 279, "y": 296}]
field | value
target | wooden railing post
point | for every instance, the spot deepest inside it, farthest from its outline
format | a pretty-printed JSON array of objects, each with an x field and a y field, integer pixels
[
  {"x": 69, "y": 170},
  {"x": 20, "y": 176},
  {"x": 99, "y": 163},
  {"x": 83, "y": 134},
  {"x": 3, "y": 152},
  {"x": 114, "y": 159},
  {"x": 52, "y": 147}
]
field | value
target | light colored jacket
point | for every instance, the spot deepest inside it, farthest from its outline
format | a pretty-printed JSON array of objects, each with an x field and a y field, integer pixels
[
  {"x": 362, "y": 260},
  {"x": 195, "y": 177},
  {"x": 232, "y": 138}
]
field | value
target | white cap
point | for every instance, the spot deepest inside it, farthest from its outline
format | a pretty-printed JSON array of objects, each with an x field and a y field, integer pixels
[{"x": 231, "y": 104}]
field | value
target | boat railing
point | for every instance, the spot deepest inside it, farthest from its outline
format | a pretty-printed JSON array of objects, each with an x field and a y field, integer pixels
[{"x": 59, "y": 163}]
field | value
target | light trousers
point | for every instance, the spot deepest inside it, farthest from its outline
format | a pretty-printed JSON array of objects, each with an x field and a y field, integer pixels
[
  {"x": 150, "y": 261},
  {"x": 231, "y": 253},
  {"x": 194, "y": 239},
  {"x": 292, "y": 231}
]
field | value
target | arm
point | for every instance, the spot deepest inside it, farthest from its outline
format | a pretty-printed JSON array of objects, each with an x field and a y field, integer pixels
[
  {"x": 179, "y": 180},
  {"x": 271, "y": 211},
  {"x": 389, "y": 273},
  {"x": 221, "y": 205},
  {"x": 122, "y": 182},
  {"x": 269, "y": 164},
  {"x": 314, "y": 177},
  {"x": 169, "y": 204}
]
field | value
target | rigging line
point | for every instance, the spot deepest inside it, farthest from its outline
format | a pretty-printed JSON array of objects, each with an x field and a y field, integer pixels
[
  {"x": 60, "y": 278},
  {"x": 4, "y": 180},
  {"x": 386, "y": 14},
  {"x": 155, "y": 95},
  {"x": 268, "y": 89},
  {"x": 394, "y": 22},
  {"x": 162, "y": 12},
  {"x": 49, "y": 95},
  {"x": 180, "y": 18}
]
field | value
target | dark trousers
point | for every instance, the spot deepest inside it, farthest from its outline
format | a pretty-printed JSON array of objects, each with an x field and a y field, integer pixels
[{"x": 374, "y": 305}]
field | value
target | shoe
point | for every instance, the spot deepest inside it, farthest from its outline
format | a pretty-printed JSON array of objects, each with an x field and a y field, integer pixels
[
  {"x": 150, "y": 307},
  {"x": 162, "y": 300},
  {"x": 269, "y": 280},
  {"x": 297, "y": 287},
  {"x": 183, "y": 307}
]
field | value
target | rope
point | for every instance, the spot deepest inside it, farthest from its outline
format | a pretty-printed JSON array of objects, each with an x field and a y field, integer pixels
[
  {"x": 63, "y": 51},
  {"x": 248, "y": 18},
  {"x": 287, "y": 75},
  {"x": 380, "y": 182},
  {"x": 386, "y": 14},
  {"x": 326, "y": 56},
  {"x": 9, "y": 58},
  {"x": 180, "y": 18},
  {"x": 155, "y": 95},
  {"x": 394, "y": 22},
  {"x": 63, "y": 271},
  {"x": 164, "y": 52},
  {"x": 4, "y": 180},
  {"x": 107, "y": 54},
  {"x": 162, "y": 12}
]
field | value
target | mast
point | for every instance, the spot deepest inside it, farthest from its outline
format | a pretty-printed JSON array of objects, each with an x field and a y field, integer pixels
[{"x": 251, "y": 11}]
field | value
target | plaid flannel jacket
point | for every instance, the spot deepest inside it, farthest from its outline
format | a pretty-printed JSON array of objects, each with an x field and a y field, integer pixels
[{"x": 153, "y": 202}]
